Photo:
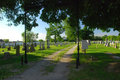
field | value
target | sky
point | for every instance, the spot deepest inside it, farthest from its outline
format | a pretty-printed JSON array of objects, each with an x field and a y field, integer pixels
[{"x": 13, "y": 33}]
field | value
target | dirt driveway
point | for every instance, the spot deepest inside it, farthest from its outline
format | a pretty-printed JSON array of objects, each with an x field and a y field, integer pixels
[{"x": 36, "y": 72}]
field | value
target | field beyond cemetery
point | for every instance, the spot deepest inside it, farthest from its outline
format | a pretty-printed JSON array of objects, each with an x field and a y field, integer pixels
[{"x": 102, "y": 67}]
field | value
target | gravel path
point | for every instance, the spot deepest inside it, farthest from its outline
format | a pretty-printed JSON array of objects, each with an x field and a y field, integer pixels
[{"x": 35, "y": 72}]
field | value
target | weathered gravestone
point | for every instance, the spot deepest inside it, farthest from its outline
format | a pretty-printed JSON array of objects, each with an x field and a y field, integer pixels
[
  {"x": 40, "y": 46},
  {"x": 107, "y": 45},
  {"x": 56, "y": 44},
  {"x": 43, "y": 45},
  {"x": 32, "y": 48},
  {"x": 88, "y": 41},
  {"x": 17, "y": 50},
  {"x": 7, "y": 55},
  {"x": 9, "y": 48},
  {"x": 3, "y": 45},
  {"x": 106, "y": 42},
  {"x": 115, "y": 45},
  {"x": 48, "y": 45},
  {"x": 60, "y": 44},
  {"x": 35, "y": 44},
  {"x": 84, "y": 46},
  {"x": 27, "y": 48},
  {"x": 15, "y": 46}
]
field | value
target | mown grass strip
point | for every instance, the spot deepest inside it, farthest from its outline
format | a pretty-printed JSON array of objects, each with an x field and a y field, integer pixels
[
  {"x": 60, "y": 55},
  {"x": 56, "y": 59}
]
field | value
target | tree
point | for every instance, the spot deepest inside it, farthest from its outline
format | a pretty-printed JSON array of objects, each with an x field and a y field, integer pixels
[
  {"x": 40, "y": 40},
  {"x": 55, "y": 29},
  {"x": 69, "y": 30},
  {"x": 6, "y": 40},
  {"x": 104, "y": 37},
  {"x": 102, "y": 14},
  {"x": 86, "y": 33},
  {"x": 30, "y": 36}
]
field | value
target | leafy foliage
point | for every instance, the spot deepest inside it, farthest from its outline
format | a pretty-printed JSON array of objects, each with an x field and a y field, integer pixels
[
  {"x": 6, "y": 40},
  {"x": 55, "y": 29},
  {"x": 102, "y": 14},
  {"x": 30, "y": 36}
]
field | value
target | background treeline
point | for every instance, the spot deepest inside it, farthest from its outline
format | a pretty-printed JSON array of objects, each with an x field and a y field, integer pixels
[{"x": 113, "y": 37}]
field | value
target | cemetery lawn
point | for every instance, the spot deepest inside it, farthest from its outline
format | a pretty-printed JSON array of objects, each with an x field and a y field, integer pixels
[
  {"x": 12, "y": 66},
  {"x": 102, "y": 67}
]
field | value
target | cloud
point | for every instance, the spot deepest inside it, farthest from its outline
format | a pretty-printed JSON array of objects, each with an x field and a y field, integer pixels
[
  {"x": 41, "y": 36},
  {"x": 102, "y": 34}
]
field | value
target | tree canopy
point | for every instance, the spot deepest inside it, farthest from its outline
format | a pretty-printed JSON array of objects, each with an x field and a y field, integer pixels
[
  {"x": 30, "y": 36},
  {"x": 55, "y": 29},
  {"x": 102, "y": 14}
]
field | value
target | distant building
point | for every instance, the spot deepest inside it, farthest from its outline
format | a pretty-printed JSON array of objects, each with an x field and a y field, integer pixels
[{"x": 1, "y": 41}]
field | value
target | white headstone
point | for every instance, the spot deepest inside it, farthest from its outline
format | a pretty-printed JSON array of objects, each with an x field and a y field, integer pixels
[{"x": 84, "y": 44}]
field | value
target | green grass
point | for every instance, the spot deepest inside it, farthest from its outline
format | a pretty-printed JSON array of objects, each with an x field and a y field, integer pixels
[
  {"x": 55, "y": 60},
  {"x": 96, "y": 69},
  {"x": 6, "y": 65},
  {"x": 59, "y": 56},
  {"x": 48, "y": 69}
]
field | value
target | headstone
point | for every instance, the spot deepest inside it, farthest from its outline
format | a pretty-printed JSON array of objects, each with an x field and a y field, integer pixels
[
  {"x": 32, "y": 48},
  {"x": 56, "y": 44},
  {"x": 6, "y": 55},
  {"x": 17, "y": 50},
  {"x": 15, "y": 46},
  {"x": 3, "y": 45},
  {"x": 48, "y": 46},
  {"x": 43, "y": 45},
  {"x": 40, "y": 46},
  {"x": 88, "y": 41},
  {"x": 60, "y": 44},
  {"x": 35, "y": 44},
  {"x": 27, "y": 48},
  {"x": 107, "y": 45},
  {"x": 84, "y": 44},
  {"x": 115, "y": 45},
  {"x": 9, "y": 48},
  {"x": 106, "y": 42}
]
